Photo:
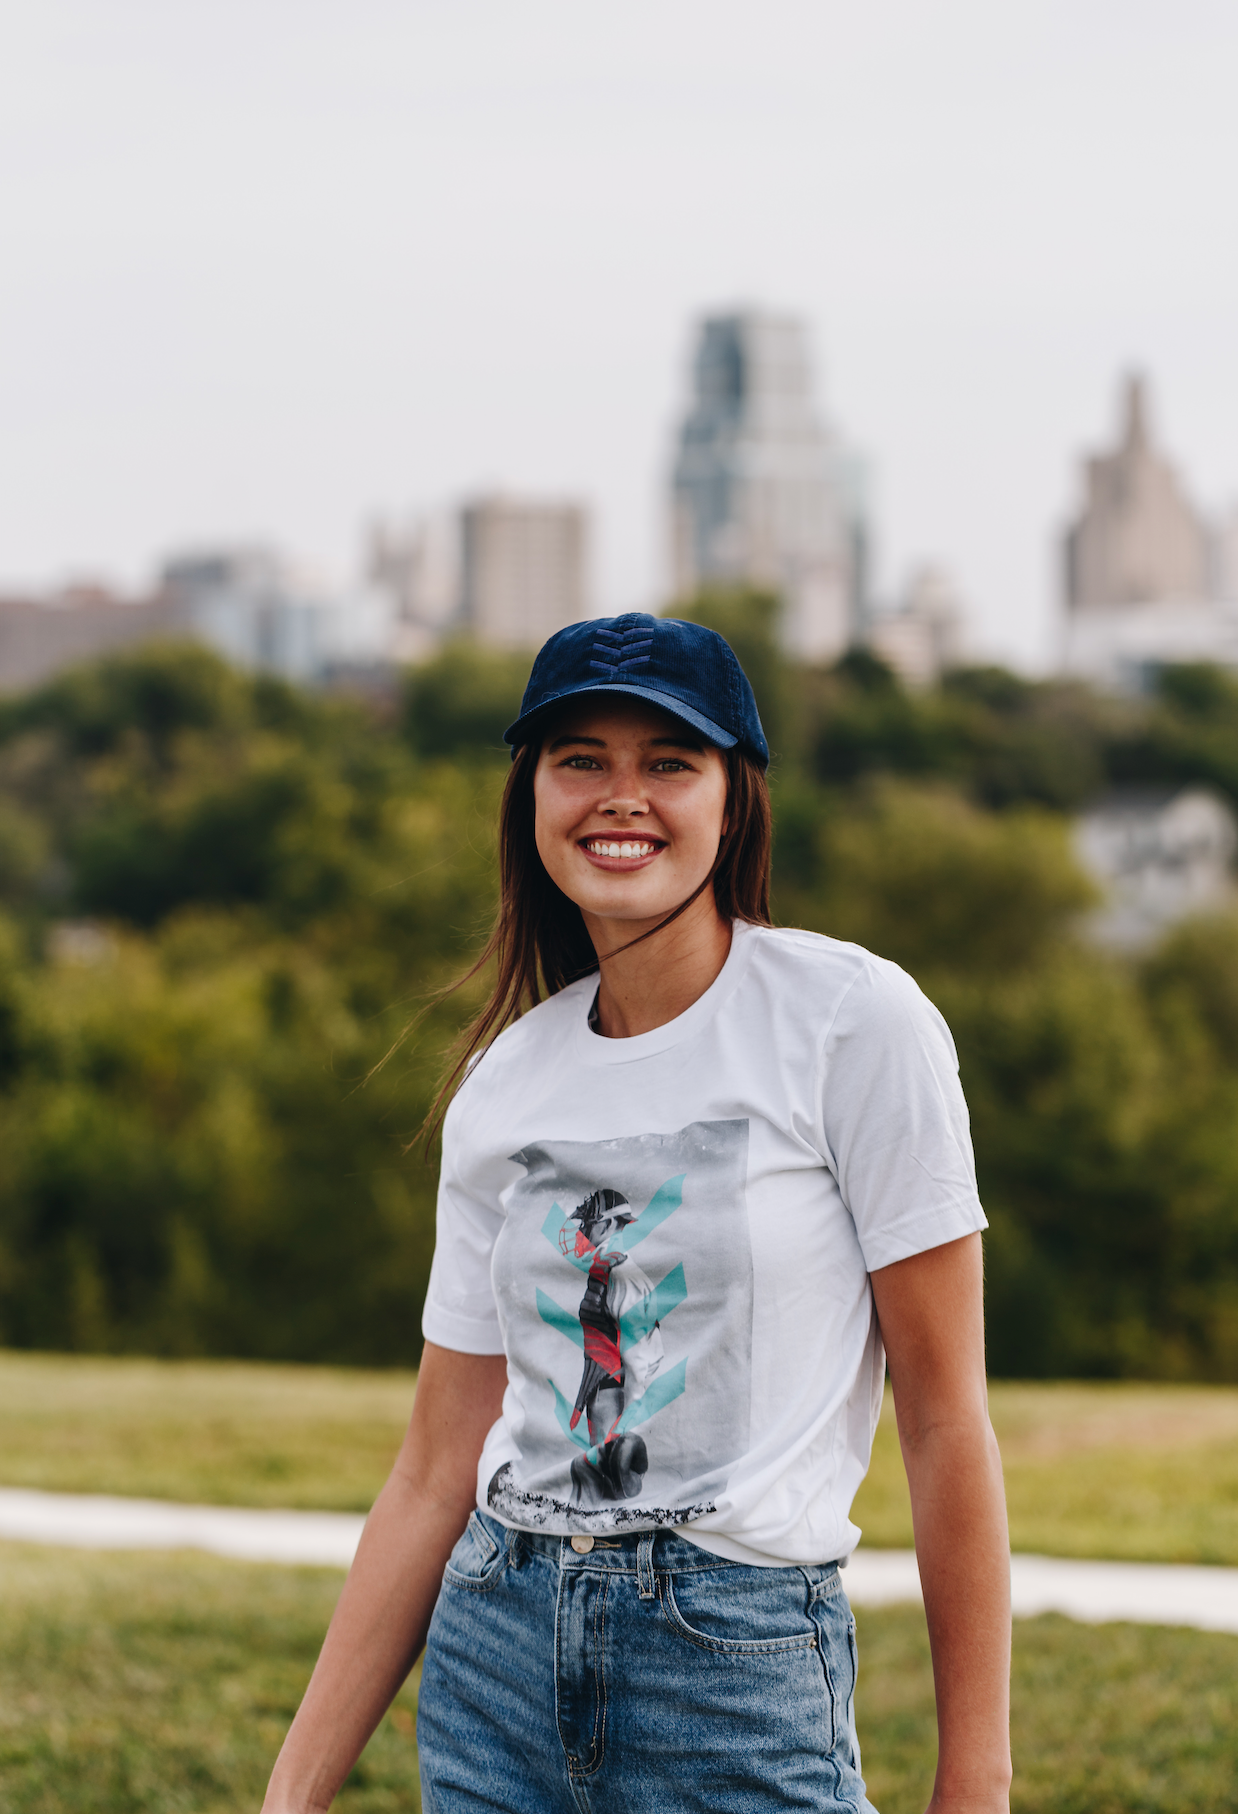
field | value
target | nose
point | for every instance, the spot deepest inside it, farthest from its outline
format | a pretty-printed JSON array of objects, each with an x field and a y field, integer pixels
[{"x": 626, "y": 797}]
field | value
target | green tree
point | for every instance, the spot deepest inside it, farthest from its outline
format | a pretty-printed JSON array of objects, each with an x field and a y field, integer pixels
[
  {"x": 460, "y": 703},
  {"x": 919, "y": 875},
  {"x": 1187, "y": 733}
]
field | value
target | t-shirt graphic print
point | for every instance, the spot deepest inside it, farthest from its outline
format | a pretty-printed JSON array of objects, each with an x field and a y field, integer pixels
[{"x": 624, "y": 1276}]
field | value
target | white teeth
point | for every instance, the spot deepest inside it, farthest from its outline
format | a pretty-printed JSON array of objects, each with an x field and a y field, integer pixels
[{"x": 601, "y": 847}]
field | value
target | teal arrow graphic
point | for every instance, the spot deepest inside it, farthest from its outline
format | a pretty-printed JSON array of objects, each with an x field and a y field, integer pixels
[
  {"x": 565, "y": 1321},
  {"x": 663, "y": 1203},
  {"x": 661, "y": 1393},
  {"x": 638, "y": 1322}
]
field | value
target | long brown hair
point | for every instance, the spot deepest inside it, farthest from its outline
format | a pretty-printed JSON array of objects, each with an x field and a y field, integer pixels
[{"x": 539, "y": 938}]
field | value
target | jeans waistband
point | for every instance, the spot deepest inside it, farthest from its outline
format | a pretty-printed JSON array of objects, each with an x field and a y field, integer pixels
[{"x": 633, "y": 1552}]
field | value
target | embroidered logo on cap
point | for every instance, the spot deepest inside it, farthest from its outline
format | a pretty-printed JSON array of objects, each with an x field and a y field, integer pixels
[{"x": 619, "y": 651}]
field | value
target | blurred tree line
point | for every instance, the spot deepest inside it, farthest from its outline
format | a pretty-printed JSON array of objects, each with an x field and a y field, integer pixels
[{"x": 221, "y": 900}]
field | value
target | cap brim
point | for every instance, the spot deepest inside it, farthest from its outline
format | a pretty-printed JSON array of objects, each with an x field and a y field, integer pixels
[{"x": 527, "y": 724}]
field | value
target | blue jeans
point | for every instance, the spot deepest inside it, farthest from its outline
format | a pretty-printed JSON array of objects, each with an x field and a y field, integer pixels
[{"x": 645, "y": 1675}]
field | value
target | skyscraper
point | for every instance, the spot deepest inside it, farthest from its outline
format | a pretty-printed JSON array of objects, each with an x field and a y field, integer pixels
[
  {"x": 760, "y": 491},
  {"x": 1138, "y": 539},
  {"x": 523, "y": 569},
  {"x": 1145, "y": 572}
]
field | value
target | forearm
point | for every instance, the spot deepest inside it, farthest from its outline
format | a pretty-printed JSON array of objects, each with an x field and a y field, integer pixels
[
  {"x": 930, "y": 1308},
  {"x": 959, "y": 1513},
  {"x": 377, "y": 1632}
]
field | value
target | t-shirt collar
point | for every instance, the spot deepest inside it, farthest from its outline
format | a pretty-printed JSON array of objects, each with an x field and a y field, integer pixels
[{"x": 592, "y": 1048}]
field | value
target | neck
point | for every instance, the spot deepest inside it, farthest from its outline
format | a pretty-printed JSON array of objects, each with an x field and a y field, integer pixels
[{"x": 659, "y": 979}]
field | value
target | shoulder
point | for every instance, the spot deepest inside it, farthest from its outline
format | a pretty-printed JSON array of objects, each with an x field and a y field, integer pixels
[
  {"x": 825, "y": 968},
  {"x": 840, "y": 987},
  {"x": 516, "y": 1046}
]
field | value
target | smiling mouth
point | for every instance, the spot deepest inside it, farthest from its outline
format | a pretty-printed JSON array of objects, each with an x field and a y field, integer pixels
[{"x": 629, "y": 849}]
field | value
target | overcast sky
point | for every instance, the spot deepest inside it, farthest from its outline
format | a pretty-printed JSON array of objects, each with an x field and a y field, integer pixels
[{"x": 270, "y": 266}]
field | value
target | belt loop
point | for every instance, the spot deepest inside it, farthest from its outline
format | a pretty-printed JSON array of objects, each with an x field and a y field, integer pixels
[{"x": 644, "y": 1566}]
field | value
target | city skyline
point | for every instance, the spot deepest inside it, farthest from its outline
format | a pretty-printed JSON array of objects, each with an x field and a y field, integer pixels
[
  {"x": 762, "y": 494},
  {"x": 274, "y": 271}
]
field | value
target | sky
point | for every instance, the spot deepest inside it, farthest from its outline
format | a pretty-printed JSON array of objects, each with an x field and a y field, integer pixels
[{"x": 272, "y": 267}]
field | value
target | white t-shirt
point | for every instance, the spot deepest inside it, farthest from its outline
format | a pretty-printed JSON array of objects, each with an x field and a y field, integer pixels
[{"x": 670, "y": 1237}]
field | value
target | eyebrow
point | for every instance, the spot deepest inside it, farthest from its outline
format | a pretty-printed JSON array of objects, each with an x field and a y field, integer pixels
[{"x": 650, "y": 743}]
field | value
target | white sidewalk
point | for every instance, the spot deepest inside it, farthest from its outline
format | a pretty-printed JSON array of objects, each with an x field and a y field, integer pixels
[
  {"x": 1149, "y": 1593},
  {"x": 90, "y": 1521}
]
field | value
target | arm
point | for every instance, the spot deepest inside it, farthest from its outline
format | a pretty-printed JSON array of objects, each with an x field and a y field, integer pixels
[
  {"x": 380, "y": 1623},
  {"x": 931, "y": 1312}
]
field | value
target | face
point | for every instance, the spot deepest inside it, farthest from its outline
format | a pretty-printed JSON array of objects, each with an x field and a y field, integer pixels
[
  {"x": 597, "y": 1229},
  {"x": 617, "y": 776}
]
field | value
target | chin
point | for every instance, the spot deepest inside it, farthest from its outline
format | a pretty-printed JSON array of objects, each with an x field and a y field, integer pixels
[{"x": 625, "y": 908}]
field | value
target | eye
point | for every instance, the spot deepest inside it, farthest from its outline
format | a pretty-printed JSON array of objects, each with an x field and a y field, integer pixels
[
  {"x": 669, "y": 765},
  {"x": 581, "y": 762}
]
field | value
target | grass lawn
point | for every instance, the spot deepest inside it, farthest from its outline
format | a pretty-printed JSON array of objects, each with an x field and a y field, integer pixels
[
  {"x": 1131, "y": 1472},
  {"x": 1105, "y": 1719},
  {"x": 134, "y": 1684},
  {"x": 1126, "y": 1471},
  {"x": 139, "y": 1684},
  {"x": 207, "y": 1432}
]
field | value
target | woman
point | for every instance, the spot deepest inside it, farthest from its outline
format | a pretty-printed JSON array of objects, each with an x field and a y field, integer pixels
[{"x": 687, "y": 1201}]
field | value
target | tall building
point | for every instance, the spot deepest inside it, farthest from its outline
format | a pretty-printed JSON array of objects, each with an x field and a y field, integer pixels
[
  {"x": 39, "y": 636},
  {"x": 1145, "y": 574},
  {"x": 253, "y": 608},
  {"x": 1138, "y": 539},
  {"x": 523, "y": 569},
  {"x": 1225, "y": 558},
  {"x": 761, "y": 493},
  {"x": 242, "y": 603}
]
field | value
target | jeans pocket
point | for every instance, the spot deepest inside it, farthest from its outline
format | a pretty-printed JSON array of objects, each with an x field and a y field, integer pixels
[
  {"x": 739, "y": 1611},
  {"x": 835, "y": 1623},
  {"x": 477, "y": 1560}
]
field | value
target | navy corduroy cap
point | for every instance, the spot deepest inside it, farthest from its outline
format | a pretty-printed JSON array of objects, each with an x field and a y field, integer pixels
[{"x": 689, "y": 671}]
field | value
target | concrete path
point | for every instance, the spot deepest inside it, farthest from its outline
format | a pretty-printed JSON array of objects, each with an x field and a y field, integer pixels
[
  {"x": 90, "y": 1521},
  {"x": 1148, "y": 1593}
]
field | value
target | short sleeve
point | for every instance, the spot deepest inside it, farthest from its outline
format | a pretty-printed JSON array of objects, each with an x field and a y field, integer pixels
[
  {"x": 460, "y": 1311},
  {"x": 895, "y": 1121}
]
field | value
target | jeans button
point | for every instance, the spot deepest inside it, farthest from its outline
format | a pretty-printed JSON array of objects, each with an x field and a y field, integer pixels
[{"x": 582, "y": 1545}]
